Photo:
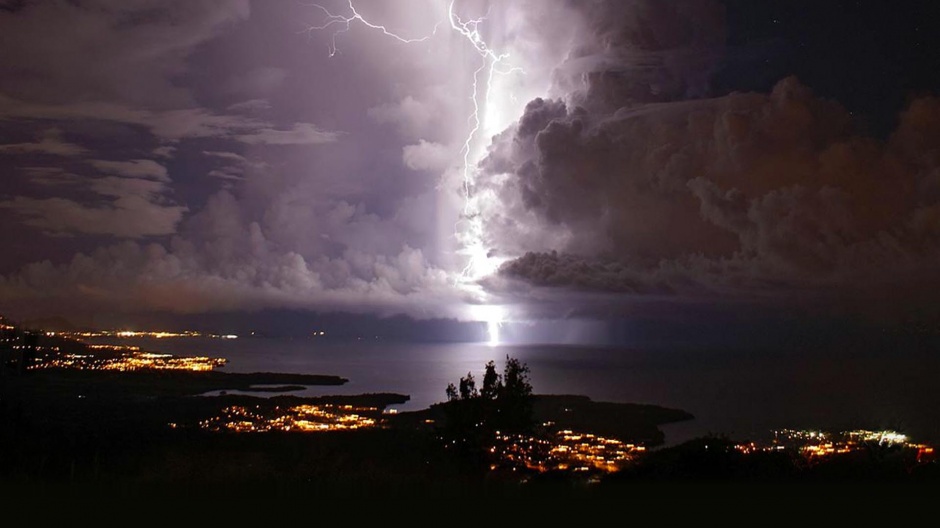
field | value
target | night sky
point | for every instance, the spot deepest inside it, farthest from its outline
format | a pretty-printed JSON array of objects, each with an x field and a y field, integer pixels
[{"x": 621, "y": 165}]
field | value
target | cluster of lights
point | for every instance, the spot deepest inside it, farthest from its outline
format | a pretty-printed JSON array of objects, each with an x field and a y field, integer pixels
[
  {"x": 113, "y": 347},
  {"x": 29, "y": 347},
  {"x": 299, "y": 418},
  {"x": 134, "y": 333},
  {"x": 880, "y": 437},
  {"x": 128, "y": 360},
  {"x": 814, "y": 444},
  {"x": 584, "y": 452},
  {"x": 563, "y": 450}
]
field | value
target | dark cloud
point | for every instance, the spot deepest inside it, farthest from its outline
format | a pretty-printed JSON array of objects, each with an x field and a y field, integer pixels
[
  {"x": 746, "y": 190},
  {"x": 260, "y": 81},
  {"x": 132, "y": 214},
  {"x": 131, "y": 200},
  {"x": 634, "y": 183},
  {"x": 61, "y": 51},
  {"x": 642, "y": 52},
  {"x": 169, "y": 125}
]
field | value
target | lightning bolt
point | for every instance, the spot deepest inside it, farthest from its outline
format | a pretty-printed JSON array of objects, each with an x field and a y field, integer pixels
[
  {"x": 479, "y": 262},
  {"x": 345, "y": 22},
  {"x": 469, "y": 230}
]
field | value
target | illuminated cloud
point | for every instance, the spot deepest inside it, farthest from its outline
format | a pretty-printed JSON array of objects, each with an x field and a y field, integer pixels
[
  {"x": 230, "y": 156},
  {"x": 263, "y": 172},
  {"x": 166, "y": 151},
  {"x": 51, "y": 143},
  {"x": 411, "y": 116},
  {"x": 426, "y": 155},
  {"x": 299, "y": 134}
]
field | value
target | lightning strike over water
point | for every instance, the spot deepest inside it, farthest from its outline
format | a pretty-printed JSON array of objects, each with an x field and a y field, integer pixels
[{"x": 469, "y": 231}]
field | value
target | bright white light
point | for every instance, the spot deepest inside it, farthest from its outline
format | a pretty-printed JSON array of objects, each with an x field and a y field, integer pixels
[
  {"x": 493, "y": 107},
  {"x": 493, "y": 316},
  {"x": 470, "y": 231},
  {"x": 492, "y": 328}
]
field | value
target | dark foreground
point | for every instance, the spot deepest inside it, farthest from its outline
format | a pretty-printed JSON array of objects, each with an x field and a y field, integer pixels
[{"x": 110, "y": 438}]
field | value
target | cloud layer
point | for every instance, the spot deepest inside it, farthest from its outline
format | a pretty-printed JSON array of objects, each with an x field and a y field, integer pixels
[
  {"x": 169, "y": 156},
  {"x": 742, "y": 194}
]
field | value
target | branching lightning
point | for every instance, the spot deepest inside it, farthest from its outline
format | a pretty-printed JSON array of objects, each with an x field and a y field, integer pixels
[
  {"x": 345, "y": 23},
  {"x": 471, "y": 236},
  {"x": 479, "y": 262}
]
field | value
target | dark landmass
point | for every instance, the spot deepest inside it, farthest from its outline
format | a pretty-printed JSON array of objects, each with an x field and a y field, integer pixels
[
  {"x": 109, "y": 437},
  {"x": 631, "y": 422},
  {"x": 65, "y": 426},
  {"x": 274, "y": 388},
  {"x": 628, "y": 422},
  {"x": 110, "y": 428}
]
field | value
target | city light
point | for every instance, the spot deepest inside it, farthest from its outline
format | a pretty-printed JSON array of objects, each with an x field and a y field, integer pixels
[
  {"x": 298, "y": 418},
  {"x": 126, "y": 359},
  {"x": 564, "y": 450},
  {"x": 153, "y": 334}
]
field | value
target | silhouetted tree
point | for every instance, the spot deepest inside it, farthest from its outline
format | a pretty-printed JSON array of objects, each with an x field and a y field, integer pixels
[
  {"x": 514, "y": 398},
  {"x": 468, "y": 387},
  {"x": 504, "y": 404},
  {"x": 491, "y": 382}
]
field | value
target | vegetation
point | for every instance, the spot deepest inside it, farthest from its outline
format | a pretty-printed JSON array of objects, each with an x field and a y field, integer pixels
[
  {"x": 473, "y": 418},
  {"x": 504, "y": 403}
]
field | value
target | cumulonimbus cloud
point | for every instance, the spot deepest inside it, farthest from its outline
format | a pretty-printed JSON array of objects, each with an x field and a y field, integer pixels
[
  {"x": 625, "y": 177},
  {"x": 632, "y": 181},
  {"x": 740, "y": 191}
]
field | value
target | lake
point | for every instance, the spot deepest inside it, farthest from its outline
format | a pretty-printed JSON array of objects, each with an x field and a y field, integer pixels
[{"x": 741, "y": 393}]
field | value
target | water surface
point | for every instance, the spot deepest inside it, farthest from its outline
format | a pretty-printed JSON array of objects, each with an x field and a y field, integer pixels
[{"x": 743, "y": 394}]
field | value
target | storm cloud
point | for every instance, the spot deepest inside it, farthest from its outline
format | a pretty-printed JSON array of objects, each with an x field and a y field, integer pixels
[
  {"x": 742, "y": 193},
  {"x": 236, "y": 155},
  {"x": 189, "y": 194},
  {"x": 634, "y": 181}
]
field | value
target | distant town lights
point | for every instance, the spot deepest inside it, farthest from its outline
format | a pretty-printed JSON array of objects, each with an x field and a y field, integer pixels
[{"x": 135, "y": 333}]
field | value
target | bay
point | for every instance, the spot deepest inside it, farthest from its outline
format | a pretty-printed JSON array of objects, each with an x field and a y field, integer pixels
[{"x": 744, "y": 394}]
